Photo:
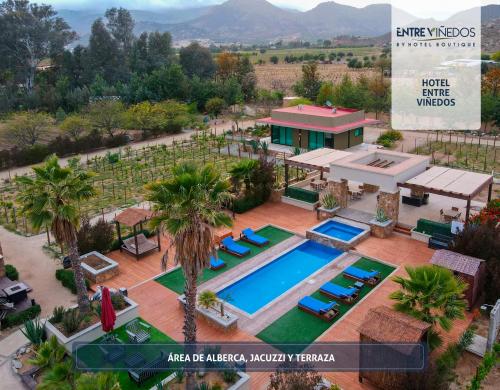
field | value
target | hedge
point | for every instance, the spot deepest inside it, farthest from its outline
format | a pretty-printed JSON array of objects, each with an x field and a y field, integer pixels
[
  {"x": 11, "y": 272},
  {"x": 67, "y": 278},
  {"x": 244, "y": 204},
  {"x": 21, "y": 317},
  {"x": 432, "y": 227},
  {"x": 302, "y": 194}
]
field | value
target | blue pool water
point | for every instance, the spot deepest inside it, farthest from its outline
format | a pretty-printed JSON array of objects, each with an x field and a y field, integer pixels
[
  {"x": 267, "y": 283},
  {"x": 339, "y": 230}
]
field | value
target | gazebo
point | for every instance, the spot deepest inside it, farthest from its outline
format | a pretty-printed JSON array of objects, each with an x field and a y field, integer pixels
[
  {"x": 468, "y": 268},
  {"x": 384, "y": 325},
  {"x": 137, "y": 245},
  {"x": 453, "y": 183}
]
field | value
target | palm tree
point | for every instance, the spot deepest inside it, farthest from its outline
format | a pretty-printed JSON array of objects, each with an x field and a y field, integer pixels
[
  {"x": 50, "y": 198},
  {"x": 190, "y": 206},
  {"x": 431, "y": 294},
  {"x": 242, "y": 172}
]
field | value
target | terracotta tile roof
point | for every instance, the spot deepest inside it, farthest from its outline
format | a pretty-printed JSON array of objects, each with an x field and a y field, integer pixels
[
  {"x": 133, "y": 216},
  {"x": 384, "y": 324},
  {"x": 458, "y": 262}
]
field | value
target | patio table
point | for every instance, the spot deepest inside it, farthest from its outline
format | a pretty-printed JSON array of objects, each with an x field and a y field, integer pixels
[{"x": 450, "y": 215}]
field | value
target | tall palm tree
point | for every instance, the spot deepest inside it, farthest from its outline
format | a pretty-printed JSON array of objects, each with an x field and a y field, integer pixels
[
  {"x": 50, "y": 198},
  {"x": 431, "y": 294},
  {"x": 189, "y": 206},
  {"x": 242, "y": 172}
]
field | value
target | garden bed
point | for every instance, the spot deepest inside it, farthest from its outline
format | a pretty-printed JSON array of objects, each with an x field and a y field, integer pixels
[
  {"x": 98, "y": 268},
  {"x": 241, "y": 382}
]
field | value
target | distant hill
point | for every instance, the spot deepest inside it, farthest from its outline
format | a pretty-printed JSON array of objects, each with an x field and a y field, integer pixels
[{"x": 258, "y": 21}]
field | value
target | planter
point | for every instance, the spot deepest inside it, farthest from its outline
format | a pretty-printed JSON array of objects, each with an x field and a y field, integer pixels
[
  {"x": 381, "y": 229},
  {"x": 300, "y": 203},
  {"x": 329, "y": 213},
  {"x": 213, "y": 318},
  {"x": 243, "y": 383},
  {"x": 276, "y": 195},
  {"x": 97, "y": 267},
  {"x": 94, "y": 331},
  {"x": 420, "y": 236}
]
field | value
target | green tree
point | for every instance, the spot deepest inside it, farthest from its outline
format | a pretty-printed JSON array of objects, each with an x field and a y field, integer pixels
[
  {"x": 103, "y": 53},
  {"x": 274, "y": 59},
  {"x": 121, "y": 25},
  {"x": 197, "y": 60},
  {"x": 30, "y": 33},
  {"x": 310, "y": 83},
  {"x": 325, "y": 94},
  {"x": 190, "y": 207},
  {"x": 75, "y": 126},
  {"x": 146, "y": 117},
  {"x": 26, "y": 128},
  {"x": 98, "y": 381},
  {"x": 106, "y": 115},
  {"x": 214, "y": 106},
  {"x": 160, "y": 50},
  {"x": 175, "y": 116},
  {"x": 51, "y": 198},
  {"x": 241, "y": 173},
  {"x": 431, "y": 294},
  {"x": 378, "y": 97}
]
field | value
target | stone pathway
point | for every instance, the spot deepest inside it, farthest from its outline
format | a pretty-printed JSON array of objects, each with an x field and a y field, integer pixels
[{"x": 8, "y": 348}]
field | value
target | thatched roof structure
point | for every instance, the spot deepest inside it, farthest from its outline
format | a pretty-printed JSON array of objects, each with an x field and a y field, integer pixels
[
  {"x": 132, "y": 216},
  {"x": 463, "y": 264},
  {"x": 383, "y": 324}
]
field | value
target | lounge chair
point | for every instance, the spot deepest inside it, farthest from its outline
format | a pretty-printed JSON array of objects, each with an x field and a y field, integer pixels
[
  {"x": 345, "y": 294},
  {"x": 138, "y": 332},
  {"x": 216, "y": 264},
  {"x": 370, "y": 277},
  {"x": 324, "y": 310},
  {"x": 230, "y": 246},
  {"x": 251, "y": 237},
  {"x": 143, "y": 245},
  {"x": 112, "y": 348}
]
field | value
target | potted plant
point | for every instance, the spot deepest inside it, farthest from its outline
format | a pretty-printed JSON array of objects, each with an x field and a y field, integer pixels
[
  {"x": 207, "y": 299},
  {"x": 329, "y": 205},
  {"x": 381, "y": 224}
]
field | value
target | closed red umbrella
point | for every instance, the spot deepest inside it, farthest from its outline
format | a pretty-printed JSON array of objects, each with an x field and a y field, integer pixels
[{"x": 108, "y": 316}]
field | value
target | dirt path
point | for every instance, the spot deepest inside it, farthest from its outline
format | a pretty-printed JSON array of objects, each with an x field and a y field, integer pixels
[{"x": 37, "y": 269}]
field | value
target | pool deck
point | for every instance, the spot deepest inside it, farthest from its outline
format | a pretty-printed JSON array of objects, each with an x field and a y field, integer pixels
[{"x": 158, "y": 305}]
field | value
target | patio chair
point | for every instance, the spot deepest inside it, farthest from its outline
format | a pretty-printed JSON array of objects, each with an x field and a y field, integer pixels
[
  {"x": 345, "y": 294},
  {"x": 251, "y": 237},
  {"x": 216, "y": 264},
  {"x": 230, "y": 246},
  {"x": 369, "y": 277},
  {"x": 112, "y": 348},
  {"x": 325, "y": 310},
  {"x": 140, "y": 375},
  {"x": 138, "y": 332},
  {"x": 143, "y": 245}
]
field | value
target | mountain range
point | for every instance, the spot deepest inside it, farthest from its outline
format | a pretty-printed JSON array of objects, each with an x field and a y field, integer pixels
[{"x": 258, "y": 21}]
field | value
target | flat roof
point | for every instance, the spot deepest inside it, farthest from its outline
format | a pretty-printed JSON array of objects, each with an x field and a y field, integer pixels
[
  {"x": 326, "y": 129},
  {"x": 316, "y": 110},
  {"x": 451, "y": 182},
  {"x": 317, "y": 159}
]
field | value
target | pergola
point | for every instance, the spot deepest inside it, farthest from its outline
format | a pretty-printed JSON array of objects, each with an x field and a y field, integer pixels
[
  {"x": 132, "y": 218},
  {"x": 318, "y": 159},
  {"x": 453, "y": 183}
]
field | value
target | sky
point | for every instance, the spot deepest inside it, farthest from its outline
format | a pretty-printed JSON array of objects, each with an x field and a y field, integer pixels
[{"x": 420, "y": 8}]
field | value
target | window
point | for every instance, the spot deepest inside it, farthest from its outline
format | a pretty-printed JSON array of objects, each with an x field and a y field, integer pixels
[
  {"x": 316, "y": 140},
  {"x": 358, "y": 132},
  {"x": 282, "y": 135}
]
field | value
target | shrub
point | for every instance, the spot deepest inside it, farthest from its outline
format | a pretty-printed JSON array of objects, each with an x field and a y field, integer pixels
[
  {"x": 67, "y": 278},
  {"x": 302, "y": 194},
  {"x": 34, "y": 332},
  {"x": 244, "y": 204},
  {"x": 117, "y": 140},
  {"x": 118, "y": 302},
  {"x": 229, "y": 376},
  {"x": 57, "y": 314},
  {"x": 71, "y": 321},
  {"x": 328, "y": 201},
  {"x": 388, "y": 138},
  {"x": 19, "y": 318},
  {"x": 98, "y": 237},
  {"x": 11, "y": 272}
]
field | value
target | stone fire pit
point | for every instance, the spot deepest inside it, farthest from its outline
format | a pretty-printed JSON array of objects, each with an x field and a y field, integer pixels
[{"x": 97, "y": 267}]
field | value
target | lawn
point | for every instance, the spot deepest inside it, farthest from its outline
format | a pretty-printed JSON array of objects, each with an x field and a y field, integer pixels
[
  {"x": 299, "y": 327},
  {"x": 149, "y": 353},
  {"x": 175, "y": 279}
]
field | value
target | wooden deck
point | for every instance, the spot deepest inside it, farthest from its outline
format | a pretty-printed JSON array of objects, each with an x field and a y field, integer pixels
[{"x": 159, "y": 305}]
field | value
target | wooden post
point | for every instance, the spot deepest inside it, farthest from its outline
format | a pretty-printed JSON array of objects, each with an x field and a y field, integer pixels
[
  {"x": 158, "y": 238},
  {"x": 467, "y": 211},
  {"x": 286, "y": 175},
  {"x": 490, "y": 188},
  {"x": 135, "y": 241},
  {"x": 118, "y": 231}
]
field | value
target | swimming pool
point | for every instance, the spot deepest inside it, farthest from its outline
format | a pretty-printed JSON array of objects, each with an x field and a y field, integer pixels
[
  {"x": 338, "y": 230},
  {"x": 262, "y": 286}
]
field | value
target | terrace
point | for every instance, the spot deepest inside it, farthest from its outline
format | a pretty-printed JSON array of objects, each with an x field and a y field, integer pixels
[{"x": 279, "y": 321}]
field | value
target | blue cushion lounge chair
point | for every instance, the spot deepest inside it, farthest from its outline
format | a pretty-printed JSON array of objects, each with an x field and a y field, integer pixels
[
  {"x": 216, "y": 264},
  {"x": 370, "y": 277},
  {"x": 345, "y": 294},
  {"x": 230, "y": 246},
  {"x": 325, "y": 310},
  {"x": 251, "y": 237}
]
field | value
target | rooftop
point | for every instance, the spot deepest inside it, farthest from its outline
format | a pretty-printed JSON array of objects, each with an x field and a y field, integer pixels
[
  {"x": 309, "y": 126},
  {"x": 467, "y": 265},
  {"x": 384, "y": 324},
  {"x": 133, "y": 216},
  {"x": 316, "y": 111}
]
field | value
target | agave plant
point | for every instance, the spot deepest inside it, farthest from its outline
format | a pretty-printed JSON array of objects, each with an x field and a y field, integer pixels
[
  {"x": 33, "y": 330},
  {"x": 381, "y": 216},
  {"x": 48, "y": 354},
  {"x": 328, "y": 201}
]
